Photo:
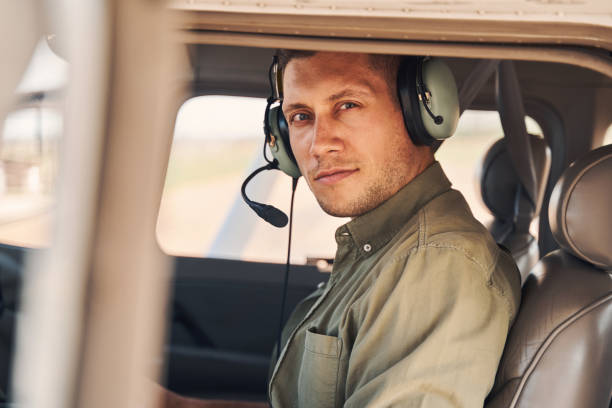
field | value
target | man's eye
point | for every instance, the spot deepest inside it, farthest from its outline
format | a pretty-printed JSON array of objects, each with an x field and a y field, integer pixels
[
  {"x": 299, "y": 117},
  {"x": 348, "y": 105}
]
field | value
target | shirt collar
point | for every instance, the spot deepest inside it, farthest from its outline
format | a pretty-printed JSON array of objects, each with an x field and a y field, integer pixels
[{"x": 372, "y": 230}]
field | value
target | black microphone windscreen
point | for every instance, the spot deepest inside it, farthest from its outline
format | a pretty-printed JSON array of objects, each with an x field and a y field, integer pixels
[{"x": 271, "y": 214}]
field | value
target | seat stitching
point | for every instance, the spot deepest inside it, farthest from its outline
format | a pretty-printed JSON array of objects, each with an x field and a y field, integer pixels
[
  {"x": 551, "y": 337},
  {"x": 565, "y": 204}
]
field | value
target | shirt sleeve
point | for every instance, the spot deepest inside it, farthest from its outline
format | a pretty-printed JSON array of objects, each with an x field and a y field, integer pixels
[{"x": 430, "y": 332}]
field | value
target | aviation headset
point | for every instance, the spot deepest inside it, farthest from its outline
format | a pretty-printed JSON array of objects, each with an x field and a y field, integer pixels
[{"x": 424, "y": 85}]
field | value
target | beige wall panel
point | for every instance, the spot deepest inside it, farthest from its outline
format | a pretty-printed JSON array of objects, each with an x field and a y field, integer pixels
[
  {"x": 450, "y": 28},
  {"x": 597, "y": 61}
]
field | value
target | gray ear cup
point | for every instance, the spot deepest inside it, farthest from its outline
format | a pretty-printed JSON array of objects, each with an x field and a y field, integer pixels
[
  {"x": 444, "y": 100},
  {"x": 279, "y": 143},
  {"x": 428, "y": 95}
]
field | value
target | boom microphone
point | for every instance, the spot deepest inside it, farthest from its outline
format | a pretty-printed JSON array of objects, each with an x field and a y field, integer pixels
[{"x": 269, "y": 213}]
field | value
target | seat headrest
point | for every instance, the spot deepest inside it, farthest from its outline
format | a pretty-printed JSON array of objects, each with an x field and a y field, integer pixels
[
  {"x": 499, "y": 181},
  {"x": 580, "y": 209}
]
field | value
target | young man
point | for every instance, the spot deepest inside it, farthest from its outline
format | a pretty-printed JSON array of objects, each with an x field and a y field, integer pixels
[{"x": 418, "y": 306}]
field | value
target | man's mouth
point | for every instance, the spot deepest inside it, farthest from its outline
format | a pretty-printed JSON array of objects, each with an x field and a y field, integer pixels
[{"x": 332, "y": 176}]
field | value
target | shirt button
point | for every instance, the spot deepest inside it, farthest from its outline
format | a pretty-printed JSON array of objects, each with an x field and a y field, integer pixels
[{"x": 367, "y": 247}]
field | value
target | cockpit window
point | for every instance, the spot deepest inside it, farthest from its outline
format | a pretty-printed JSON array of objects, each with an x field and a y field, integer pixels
[
  {"x": 29, "y": 144},
  {"x": 30, "y": 137},
  {"x": 218, "y": 141}
]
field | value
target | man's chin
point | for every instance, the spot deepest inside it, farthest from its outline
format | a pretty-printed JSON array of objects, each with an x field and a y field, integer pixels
[
  {"x": 350, "y": 209},
  {"x": 337, "y": 213}
]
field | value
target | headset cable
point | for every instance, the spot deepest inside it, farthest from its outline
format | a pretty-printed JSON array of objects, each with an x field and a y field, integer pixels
[{"x": 287, "y": 266}]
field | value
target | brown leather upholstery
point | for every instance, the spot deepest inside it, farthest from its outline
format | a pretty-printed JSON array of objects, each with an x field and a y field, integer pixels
[
  {"x": 559, "y": 350},
  {"x": 585, "y": 188},
  {"x": 499, "y": 183}
]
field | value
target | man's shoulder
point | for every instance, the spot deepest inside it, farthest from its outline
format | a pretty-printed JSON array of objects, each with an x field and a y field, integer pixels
[
  {"x": 447, "y": 230},
  {"x": 447, "y": 222}
]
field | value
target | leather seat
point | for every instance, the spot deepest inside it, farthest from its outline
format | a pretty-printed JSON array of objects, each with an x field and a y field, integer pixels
[
  {"x": 559, "y": 350},
  {"x": 505, "y": 197}
]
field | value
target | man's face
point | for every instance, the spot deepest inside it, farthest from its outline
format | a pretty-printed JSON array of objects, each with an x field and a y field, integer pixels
[{"x": 347, "y": 132}]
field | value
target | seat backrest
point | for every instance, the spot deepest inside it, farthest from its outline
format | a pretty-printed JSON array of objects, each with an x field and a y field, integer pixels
[
  {"x": 504, "y": 195},
  {"x": 559, "y": 350}
]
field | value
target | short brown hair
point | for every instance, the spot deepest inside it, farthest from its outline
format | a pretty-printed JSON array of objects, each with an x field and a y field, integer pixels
[
  {"x": 284, "y": 56},
  {"x": 388, "y": 65}
]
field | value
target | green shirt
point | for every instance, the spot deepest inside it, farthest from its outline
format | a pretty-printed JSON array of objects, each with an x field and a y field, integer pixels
[{"x": 415, "y": 313}]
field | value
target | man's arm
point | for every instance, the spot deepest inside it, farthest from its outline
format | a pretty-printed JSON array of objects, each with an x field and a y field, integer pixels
[
  {"x": 182, "y": 402},
  {"x": 429, "y": 336},
  {"x": 169, "y": 399}
]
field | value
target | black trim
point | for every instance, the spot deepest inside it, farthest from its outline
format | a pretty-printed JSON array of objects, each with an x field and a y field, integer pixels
[{"x": 409, "y": 101}]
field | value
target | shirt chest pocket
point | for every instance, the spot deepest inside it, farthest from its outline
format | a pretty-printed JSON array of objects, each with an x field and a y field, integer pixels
[{"x": 319, "y": 372}]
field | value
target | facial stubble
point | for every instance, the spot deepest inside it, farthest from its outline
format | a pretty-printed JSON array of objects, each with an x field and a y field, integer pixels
[{"x": 390, "y": 176}]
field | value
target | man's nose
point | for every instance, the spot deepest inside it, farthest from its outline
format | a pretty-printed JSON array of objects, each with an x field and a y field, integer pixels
[{"x": 325, "y": 138}]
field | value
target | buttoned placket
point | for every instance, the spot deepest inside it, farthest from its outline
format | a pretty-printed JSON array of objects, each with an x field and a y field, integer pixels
[
  {"x": 292, "y": 335},
  {"x": 332, "y": 280}
]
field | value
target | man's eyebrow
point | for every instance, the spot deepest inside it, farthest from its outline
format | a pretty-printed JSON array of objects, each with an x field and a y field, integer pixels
[
  {"x": 363, "y": 88},
  {"x": 294, "y": 106},
  {"x": 368, "y": 89}
]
